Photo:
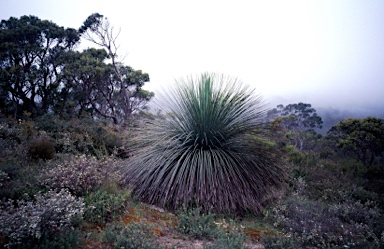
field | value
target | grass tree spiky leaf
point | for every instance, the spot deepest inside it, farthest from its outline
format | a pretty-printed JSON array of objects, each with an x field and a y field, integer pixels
[{"x": 201, "y": 154}]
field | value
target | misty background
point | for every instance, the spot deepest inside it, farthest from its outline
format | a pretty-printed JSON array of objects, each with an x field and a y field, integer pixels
[{"x": 326, "y": 53}]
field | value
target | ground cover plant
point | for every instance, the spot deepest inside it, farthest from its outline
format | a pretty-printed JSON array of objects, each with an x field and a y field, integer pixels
[{"x": 325, "y": 208}]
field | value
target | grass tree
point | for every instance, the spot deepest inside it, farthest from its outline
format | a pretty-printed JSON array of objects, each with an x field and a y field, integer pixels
[{"x": 201, "y": 152}]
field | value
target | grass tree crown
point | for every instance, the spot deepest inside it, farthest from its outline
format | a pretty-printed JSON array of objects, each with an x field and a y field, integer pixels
[
  {"x": 211, "y": 109},
  {"x": 200, "y": 153}
]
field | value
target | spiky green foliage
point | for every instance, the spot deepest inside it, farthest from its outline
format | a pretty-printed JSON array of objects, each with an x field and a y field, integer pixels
[{"x": 200, "y": 153}]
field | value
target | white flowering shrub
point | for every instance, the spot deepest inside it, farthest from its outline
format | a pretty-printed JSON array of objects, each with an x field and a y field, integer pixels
[
  {"x": 80, "y": 175},
  {"x": 29, "y": 220}
]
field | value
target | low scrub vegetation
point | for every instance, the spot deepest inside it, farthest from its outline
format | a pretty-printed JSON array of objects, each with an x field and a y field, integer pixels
[
  {"x": 63, "y": 185},
  {"x": 79, "y": 174}
]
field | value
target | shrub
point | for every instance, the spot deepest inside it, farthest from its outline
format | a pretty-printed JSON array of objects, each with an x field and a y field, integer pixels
[
  {"x": 66, "y": 239},
  {"x": 82, "y": 136},
  {"x": 103, "y": 206},
  {"x": 79, "y": 174},
  {"x": 231, "y": 240},
  {"x": 31, "y": 220},
  {"x": 196, "y": 224},
  {"x": 8, "y": 135},
  {"x": 133, "y": 236},
  {"x": 19, "y": 178},
  {"x": 3, "y": 177},
  {"x": 41, "y": 148},
  {"x": 107, "y": 139},
  {"x": 279, "y": 242},
  {"x": 313, "y": 223},
  {"x": 199, "y": 154}
]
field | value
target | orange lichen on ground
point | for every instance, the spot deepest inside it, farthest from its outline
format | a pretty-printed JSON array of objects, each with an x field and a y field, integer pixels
[
  {"x": 129, "y": 218},
  {"x": 158, "y": 216},
  {"x": 258, "y": 233},
  {"x": 157, "y": 231},
  {"x": 160, "y": 221}
]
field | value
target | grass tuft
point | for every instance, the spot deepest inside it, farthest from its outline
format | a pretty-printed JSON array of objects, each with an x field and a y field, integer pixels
[{"x": 200, "y": 153}]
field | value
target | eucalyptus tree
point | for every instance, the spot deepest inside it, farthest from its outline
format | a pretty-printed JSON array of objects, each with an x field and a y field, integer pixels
[
  {"x": 360, "y": 138},
  {"x": 131, "y": 97},
  {"x": 300, "y": 120},
  {"x": 201, "y": 152},
  {"x": 82, "y": 75},
  {"x": 92, "y": 86},
  {"x": 29, "y": 68}
]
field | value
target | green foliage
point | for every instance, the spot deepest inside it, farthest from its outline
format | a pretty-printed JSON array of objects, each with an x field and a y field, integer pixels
[
  {"x": 294, "y": 155},
  {"x": 133, "y": 236},
  {"x": 41, "y": 148},
  {"x": 199, "y": 153},
  {"x": 27, "y": 129},
  {"x": 103, "y": 206},
  {"x": 326, "y": 180},
  {"x": 65, "y": 239},
  {"x": 362, "y": 138},
  {"x": 41, "y": 72},
  {"x": 82, "y": 136},
  {"x": 327, "y": 206},
  {"x": 309, "y": 223},
  {"x": 300, "y": 120},
  {"x": 297, "y": 116},
  {"x": 230, "y": 240},
  {"x": 196, "y": 224},
  {"x": 279, "y": 242},
  {"x": 107, "y": 139},
  {"x": 9, "y": 134},
  {"x": 29, "y": 48},
  {"x": 115, "y": 91},
  {"x": 21, "y": 177},
  {"x": 91, "y": 23},
  {"x": 199, "y": 225},
  {"x": 303, "y": 115}
]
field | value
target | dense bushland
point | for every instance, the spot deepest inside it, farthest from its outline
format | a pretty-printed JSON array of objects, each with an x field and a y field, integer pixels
[
  {"x": 83, "y": 165},
  {"x": 331, "y": 199}
]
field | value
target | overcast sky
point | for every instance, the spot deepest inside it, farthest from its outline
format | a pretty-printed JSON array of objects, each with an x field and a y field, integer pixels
[{"x": 329, "y": 53}]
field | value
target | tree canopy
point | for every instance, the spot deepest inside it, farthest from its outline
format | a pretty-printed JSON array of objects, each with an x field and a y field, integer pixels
[
  {"x": 300, "y": 119},
  {"x": 41, "y": 72},
  {"x": 362, "y": 138},
  {"x": 30, "y": 68}
]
